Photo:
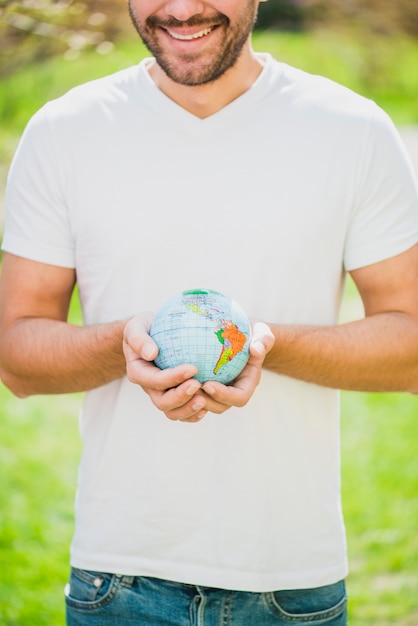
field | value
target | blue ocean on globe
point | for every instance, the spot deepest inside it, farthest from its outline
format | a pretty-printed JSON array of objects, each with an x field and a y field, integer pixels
[{"x": 204, "y": 328}]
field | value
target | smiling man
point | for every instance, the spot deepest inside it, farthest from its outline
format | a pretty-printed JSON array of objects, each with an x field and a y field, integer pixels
[
  {"x": 209, "y": 165},
  {"x": 196, "y": 45}
]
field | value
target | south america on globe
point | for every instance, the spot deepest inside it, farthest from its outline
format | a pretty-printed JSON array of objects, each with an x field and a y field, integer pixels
[{"x": 204, "y": 328}]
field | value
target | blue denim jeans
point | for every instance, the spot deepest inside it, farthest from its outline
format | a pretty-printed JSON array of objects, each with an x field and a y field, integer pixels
[{"x": 97, "y": 599}]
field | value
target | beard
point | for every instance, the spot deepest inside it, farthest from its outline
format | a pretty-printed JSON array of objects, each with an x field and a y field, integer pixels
[{"x": 188, "y": 68}]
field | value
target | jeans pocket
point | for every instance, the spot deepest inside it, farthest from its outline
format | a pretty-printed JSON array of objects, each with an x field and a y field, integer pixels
[
  {"x": 88, "y": 590},
  {"x": 323, "y": 605}
]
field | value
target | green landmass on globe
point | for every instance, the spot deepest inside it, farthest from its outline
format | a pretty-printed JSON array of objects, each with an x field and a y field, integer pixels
[{"x": 205, "y": 328}]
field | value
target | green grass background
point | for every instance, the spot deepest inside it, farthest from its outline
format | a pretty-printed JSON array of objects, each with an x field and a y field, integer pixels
[{"x": 39, "y": 442}]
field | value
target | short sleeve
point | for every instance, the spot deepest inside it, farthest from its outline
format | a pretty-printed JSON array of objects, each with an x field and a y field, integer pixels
[
  {"x": 37, "y": 224},
  {"x": 384, "y": 221}
]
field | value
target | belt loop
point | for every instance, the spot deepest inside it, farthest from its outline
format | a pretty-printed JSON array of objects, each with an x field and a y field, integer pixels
[{"x": 128, "y": 581}]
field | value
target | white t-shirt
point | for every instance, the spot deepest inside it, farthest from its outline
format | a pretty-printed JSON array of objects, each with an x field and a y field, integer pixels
[{"x": 270, "y": 201}]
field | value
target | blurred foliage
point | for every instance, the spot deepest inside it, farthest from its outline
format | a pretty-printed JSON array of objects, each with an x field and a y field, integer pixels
[
  {"x": 283, "y": 14},
  {"x": 386, "y": 17},
  {"x": 32, "y": 30},
  {"x": 374, "y": 26}
]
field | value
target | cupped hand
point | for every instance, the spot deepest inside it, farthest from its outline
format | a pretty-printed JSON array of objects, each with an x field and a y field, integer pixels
[
  {"x": 241, "y": 390},
  {"x": 174, "y": 391}
]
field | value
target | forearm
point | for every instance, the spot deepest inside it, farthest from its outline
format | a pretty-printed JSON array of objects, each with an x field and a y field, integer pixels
[
  {"x": 42, "y": 356},
  {"x": 379, "y": 353}
]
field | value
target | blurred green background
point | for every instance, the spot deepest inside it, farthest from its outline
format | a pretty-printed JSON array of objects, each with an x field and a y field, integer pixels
[{"x": 45, "y": 48}]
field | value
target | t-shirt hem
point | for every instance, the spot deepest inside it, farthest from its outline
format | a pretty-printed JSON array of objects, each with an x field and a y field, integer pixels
[
  {"x": 357, "y": 259},
  {"x": 255, "y": 582},
  {"x": 50, "y": 256}
]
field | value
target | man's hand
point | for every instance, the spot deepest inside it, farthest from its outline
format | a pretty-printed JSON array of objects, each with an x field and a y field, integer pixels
[
  {"x": 174, "y": 391},
  {"x": 241, "y": 390}
]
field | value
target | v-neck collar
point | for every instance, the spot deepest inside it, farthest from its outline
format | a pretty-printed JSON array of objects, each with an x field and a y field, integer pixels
[{"x": 167, "y": 109}]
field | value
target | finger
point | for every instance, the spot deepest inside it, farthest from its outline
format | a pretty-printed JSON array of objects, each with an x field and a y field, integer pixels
[
  {"x": 240, "y": 391},
  {"x": 181, "y": 397},
  {"x": 148, "y": 375},
  {"x": 195, "y": 419},
  {"x": 136, "y": 339},
  {"x": 237, "y": 394},
  {"x": 212, "y": 404},
  {"x": 262, "y": 340},
  {"x": 146, "y": 349},
  {"x": 192, "y": 410},
  {"x": 178, "y": 405}
]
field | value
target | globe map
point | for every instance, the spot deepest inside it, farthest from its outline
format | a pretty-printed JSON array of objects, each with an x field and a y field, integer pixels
[{"x": 204, "y": 328}]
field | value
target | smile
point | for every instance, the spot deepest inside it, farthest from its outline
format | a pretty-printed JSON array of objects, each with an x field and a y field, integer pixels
[{"x": 198, "y": 35}]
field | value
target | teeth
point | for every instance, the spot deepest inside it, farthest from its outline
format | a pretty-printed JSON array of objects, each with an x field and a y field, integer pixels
[{"x": 202, "y": 33}]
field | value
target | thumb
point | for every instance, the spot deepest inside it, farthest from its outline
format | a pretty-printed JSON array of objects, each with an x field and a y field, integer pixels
[
  {"x": 262, "y": 339},
  {"x": 136, "y": 339}
]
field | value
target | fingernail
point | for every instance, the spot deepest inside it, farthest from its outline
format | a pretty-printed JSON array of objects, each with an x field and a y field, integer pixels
[
  {"x": 148, "y": 352},
  {"x": 189, "y": 373},
  {"x": 193, "y": 389},
  {"x": 209, "y": 389},
  {"x": 258, "y": 346},
  {"x": 199, "y": 404}
]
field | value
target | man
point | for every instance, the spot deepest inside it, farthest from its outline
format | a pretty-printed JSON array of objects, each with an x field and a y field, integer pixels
[{"x": 209, "y": 166}]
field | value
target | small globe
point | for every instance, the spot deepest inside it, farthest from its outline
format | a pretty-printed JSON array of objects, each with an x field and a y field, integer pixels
[{"x": 204, "y": 328}]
